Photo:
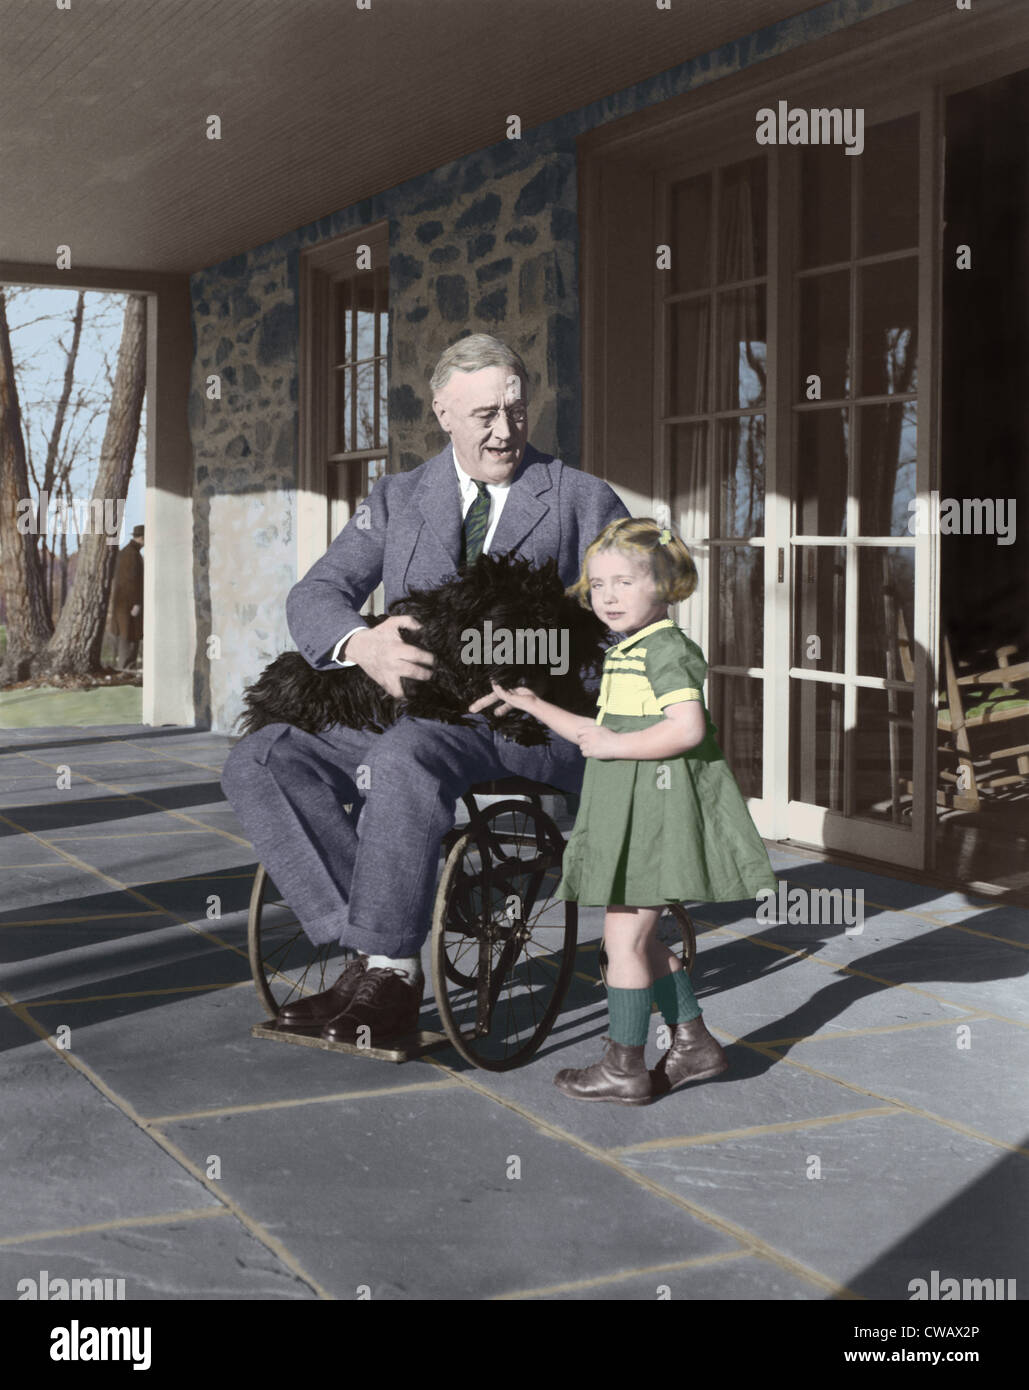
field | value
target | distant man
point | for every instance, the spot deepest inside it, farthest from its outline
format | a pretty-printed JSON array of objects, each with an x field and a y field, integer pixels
[{"x": 125, "y": 610}]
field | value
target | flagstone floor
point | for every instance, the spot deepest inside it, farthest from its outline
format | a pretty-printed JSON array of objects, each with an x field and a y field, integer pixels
[{"x": 871, "y": 1128}]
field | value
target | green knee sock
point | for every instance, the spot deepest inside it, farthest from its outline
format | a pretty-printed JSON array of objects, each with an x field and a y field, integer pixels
[
  {"x": 675, "y": 998},
  {"x": 630, "y": 1015}
]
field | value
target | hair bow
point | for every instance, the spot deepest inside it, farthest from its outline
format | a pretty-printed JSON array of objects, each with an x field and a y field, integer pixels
[{"x": 664, "y": 537}]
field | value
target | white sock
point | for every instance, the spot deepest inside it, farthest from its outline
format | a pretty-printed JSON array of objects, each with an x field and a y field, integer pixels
[{"x": 411, "y": 965}]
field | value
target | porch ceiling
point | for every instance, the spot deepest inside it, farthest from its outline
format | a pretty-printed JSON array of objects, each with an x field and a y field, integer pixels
[{"x": 103, "y": 106}]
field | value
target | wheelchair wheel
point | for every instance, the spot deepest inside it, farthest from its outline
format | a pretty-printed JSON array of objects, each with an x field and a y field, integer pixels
[
  {"x": 503, "y": 946},
  {"x": 284, "y": 962},
  {"x": 674, "y": 930}
]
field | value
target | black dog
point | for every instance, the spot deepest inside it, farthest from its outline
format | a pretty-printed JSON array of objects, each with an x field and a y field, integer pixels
[{"x": 500, "y": 619}]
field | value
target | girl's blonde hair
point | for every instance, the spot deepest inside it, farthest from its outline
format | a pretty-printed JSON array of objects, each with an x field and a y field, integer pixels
[{"x": 675, "y": 574}]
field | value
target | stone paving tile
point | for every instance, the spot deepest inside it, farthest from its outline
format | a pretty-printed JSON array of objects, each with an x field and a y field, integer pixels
[
  {"x": 752, "y": 1092},
  {"x": 177, "y": 1053},
  {"x": 36, "y": 945},
  {"x": 71, "y": 1158},
  {"x": 414, "y": 1200},
  {"x": 139, "y": 860},
  {"x": 39, "y": 892},
  {"x": 897, "y": 1198},
  {"x": 165, "y": 793},
  {"x": 111, "y": 812},
  {"x": 187, "y": 895},
  {"x": 213, "y": 1257},
  {"x": 163, "y": 956},
  {"x": 981, "y": 1085},
  {"x": 742, "y": 1277},
  {"x": 759, "y": 994},
  {"x": 19, "y": 850}
]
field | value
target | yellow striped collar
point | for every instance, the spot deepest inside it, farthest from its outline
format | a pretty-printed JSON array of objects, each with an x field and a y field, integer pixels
[{"x": 636, "y": 636}]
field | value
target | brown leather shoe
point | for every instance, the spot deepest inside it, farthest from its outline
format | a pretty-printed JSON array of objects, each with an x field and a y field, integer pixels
[
  {"x": 385, "y": 1002},
  {"x": 693, "y": 1056},
  {"x": 621, "y": 1075},
  {"x": 315, "y": 1010}
]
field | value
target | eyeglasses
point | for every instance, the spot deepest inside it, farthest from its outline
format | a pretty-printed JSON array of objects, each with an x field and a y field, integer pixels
[{"x": 515, "y": 414}]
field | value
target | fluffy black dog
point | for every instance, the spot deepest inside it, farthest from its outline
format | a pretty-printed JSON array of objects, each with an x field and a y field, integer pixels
[{"x": 500, "y": 619}]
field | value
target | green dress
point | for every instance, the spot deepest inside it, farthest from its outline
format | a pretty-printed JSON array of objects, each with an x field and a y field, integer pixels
[{"x": 663, "y": 830}]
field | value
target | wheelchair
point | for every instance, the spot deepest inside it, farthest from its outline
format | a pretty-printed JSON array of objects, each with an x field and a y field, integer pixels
[{"x": 503, "y": 946}]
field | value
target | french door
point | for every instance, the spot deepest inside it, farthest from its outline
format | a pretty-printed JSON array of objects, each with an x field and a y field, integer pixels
[{"x": 795, "y": 409}]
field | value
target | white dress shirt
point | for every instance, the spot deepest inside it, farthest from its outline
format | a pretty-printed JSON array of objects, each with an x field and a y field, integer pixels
[{"x": 498, "y": 496}]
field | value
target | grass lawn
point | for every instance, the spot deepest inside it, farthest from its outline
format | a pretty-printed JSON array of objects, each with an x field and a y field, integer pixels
[{"x": 45, "y": 707}]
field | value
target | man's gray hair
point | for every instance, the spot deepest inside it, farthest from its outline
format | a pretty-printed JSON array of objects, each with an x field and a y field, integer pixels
[{"x": 471, "y": 354}]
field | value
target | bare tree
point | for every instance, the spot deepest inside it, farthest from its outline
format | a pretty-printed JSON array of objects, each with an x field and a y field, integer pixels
[
  {"x": 21, "y": 571},
  {"x": 74, "y": 649}
]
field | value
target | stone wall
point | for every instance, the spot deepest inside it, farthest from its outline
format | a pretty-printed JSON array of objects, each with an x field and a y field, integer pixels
[{"x": 488, "y": 243}]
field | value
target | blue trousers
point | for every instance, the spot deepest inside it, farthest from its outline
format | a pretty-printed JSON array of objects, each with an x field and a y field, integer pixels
[{"x": 370, "y": 883}]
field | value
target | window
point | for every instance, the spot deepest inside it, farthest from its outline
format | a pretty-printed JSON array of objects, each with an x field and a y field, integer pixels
[{"x": 344, "y": 382}]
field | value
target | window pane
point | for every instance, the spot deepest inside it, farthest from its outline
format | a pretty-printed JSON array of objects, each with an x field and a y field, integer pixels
[
  {"x": 816, "y": 743},
  {"x": 824, "y": 347},
  {"x": 383, "y": 398},
  {"x": 738, "y": 625},
  {"x": 886, "y": 612},
  {"x": 741, "y": 463},
  {"x": 889, "y": 194},
  {"x": 819, "y": 606},
  {"x": 367, "y": 375},
  {"x": 343, "y": 316},
  {"x": 743, "y": 221},
  {"x": 691, "y": 233},
  {"x": 886, "y": 475},
  {"x": 824, "y": 206},
  {"x": 882, "y": 745},
  {"x": 689, "y": 480},
  {"x": 742, "y": 349},
  {"x": 889, "y": 333},
  {"x": 821, "y": 476},
  {"x": 344, "y": 406},
  {"x": 688, "y": 358},
  {"x": 736, "y": 711}
]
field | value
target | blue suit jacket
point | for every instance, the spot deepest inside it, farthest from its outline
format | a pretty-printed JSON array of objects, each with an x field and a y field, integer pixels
[{"x": 407, "y": 535}]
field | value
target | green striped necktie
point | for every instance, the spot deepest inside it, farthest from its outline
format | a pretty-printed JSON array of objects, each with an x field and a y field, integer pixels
[{"x": 476, "y": 524}]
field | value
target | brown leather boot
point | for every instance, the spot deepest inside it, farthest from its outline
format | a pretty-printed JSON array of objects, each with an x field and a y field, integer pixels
[
  {"x": 693, "y": 1056},
  {"x": 621, "y": 1075}
]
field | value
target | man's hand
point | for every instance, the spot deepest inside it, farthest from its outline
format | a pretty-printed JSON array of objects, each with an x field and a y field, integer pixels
[{"x": 383, "y": 654}]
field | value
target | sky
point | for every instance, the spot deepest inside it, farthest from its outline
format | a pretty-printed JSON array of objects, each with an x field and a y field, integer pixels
[{"x": 40, "y": 321}]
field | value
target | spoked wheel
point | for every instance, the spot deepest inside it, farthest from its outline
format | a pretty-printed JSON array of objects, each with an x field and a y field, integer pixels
[
  {"x": 285, "y": 964},
  {"x": 503, "y": 946},
  {"x": 674, "y": 930}
]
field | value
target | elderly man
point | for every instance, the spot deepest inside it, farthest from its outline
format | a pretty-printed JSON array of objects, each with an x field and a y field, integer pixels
[{"x": 489, "y": 490}]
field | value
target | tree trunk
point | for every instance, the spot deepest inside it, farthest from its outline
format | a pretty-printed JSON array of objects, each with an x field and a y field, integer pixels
[
  {"x": 50, "y": 465},
  {"x": 75, "y": 646},
  {"x": 21, "y": 569}
]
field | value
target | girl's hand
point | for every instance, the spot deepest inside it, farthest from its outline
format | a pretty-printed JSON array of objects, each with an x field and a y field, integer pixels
[
  {"x": 598, "y": 742},
  {"x": 520, "y": 697}
]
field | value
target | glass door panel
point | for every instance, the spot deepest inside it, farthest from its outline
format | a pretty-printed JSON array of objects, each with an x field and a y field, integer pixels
[
  {"x": 714, "y": 345},
  {"x": 855, "y": 441}
]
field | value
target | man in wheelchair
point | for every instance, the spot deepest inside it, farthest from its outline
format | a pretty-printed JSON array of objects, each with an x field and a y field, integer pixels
[{"x": 488, "y": 491}]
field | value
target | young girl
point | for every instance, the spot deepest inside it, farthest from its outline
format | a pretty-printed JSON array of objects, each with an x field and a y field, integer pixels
[{"x": 661, "y": 819}]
